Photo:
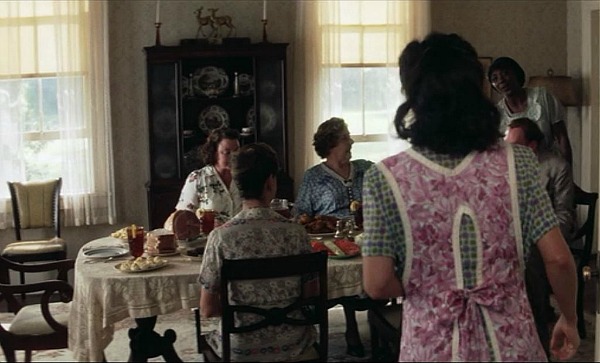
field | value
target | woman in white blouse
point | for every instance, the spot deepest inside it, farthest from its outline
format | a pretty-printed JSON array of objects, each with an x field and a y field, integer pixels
[{"x": 211, "y": 187}]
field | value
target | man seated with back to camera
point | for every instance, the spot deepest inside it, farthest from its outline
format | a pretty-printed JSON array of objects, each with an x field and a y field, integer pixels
[{"x": 557, "y": 179}]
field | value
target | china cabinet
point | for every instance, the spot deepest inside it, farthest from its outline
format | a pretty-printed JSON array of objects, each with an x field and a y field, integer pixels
[{"x": 194, "y": 89}]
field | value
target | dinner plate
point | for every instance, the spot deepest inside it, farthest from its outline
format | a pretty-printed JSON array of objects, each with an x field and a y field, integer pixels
[
  {"x": 210, "y": 81},
  {"x": 246, "y": 84},
  {"x": 152, "y": 268},
  {"x": 331, "y": 234},
  {"x": 213, "y": 117},
  {"x": 342, "y": 257},
  {"x": 164, "y": 254},
  {"x": 105, "y": 252}
]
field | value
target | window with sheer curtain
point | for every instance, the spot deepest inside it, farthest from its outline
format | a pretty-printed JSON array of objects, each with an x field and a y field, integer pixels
[
  {"x": 54, "y": 105},
  {"x": 348, "y": 67}
]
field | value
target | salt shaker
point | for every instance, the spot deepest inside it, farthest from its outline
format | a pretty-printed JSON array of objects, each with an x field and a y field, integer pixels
[{"x": 339, "y": 229}]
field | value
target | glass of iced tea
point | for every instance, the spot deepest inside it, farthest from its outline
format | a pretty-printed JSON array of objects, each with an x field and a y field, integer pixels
[
  {"x": 207, "y": 218},
  {"x": 282, "y": 207},
  {"x": 135, "y": 239}
]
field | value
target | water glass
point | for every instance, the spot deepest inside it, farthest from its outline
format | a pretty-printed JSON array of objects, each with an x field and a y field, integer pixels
[{"x": 282, "y": 207}]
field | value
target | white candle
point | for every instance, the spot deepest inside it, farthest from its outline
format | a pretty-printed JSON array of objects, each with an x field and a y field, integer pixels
[
  {"x": 264, "y": 9},
  {"x": 157, "y": 12}
]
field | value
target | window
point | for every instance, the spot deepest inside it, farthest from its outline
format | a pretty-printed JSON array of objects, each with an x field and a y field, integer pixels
[
  {"x": 54, "y": 119},
  {"x": 365, "y": 71}
]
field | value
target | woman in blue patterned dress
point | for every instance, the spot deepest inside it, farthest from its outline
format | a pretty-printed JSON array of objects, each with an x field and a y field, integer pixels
[{"x": 328, "y": 189}]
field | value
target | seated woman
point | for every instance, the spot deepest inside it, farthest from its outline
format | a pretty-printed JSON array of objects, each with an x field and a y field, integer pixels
[
  {"x": 329, "y": 188},
  {"x": 255, "y": 232},
  {"x": 210, "y": 187}
]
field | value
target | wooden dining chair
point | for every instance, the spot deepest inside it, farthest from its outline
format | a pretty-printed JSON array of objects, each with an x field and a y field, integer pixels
[
  {"x": 35, "y": 205},
  {"x": 313, "y": 308},
  {"x": 582, "y": 256},
  {"x": 385, "y": 323},
  {"x": 39, "y": 326}
]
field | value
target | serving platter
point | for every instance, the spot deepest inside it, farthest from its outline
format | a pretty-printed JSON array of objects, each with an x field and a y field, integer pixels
[
  {"x": 344, "y": 256},
  {"x": 105, "y": 252},
  {"x": 150, "y": 268},
  {"x": 322, "y": 235}
]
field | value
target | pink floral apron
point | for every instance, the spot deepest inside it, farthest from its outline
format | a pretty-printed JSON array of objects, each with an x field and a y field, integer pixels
[{"x": 443, "y": 320}]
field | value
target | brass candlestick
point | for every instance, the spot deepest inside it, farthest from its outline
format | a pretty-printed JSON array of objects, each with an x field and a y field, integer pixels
[
  {"x": 157, "y": 36},
  {"x": 264, "y": 21}
]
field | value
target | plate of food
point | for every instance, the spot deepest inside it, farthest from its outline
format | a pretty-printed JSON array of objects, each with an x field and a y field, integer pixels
[
  {"x": 120, "y": 234},
  {"x": 337, "y": 249},
  {"x": 213, "y": 117},
  {"x": 105, "y": 252},
  {"x": 210, "y": 81},
  {"x": 141, "y": 264},
  {"x": 318, "y": 226}
]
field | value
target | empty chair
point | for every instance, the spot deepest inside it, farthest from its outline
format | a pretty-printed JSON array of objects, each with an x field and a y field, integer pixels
[
  {"x": 309, "y": 310},
  {"x": 582, "y": 256},
  {"x": 35, "y": 205},
  {"x": 39, "y": 326},
  {"x": 384, "y": 326}
]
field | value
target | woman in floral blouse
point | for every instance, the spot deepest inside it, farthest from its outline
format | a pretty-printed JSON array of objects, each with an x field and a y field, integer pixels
[
  {"x": 449, "y": 223},
  {"x": 211, "y": 187},
  {"x": 256, "y": 232}
]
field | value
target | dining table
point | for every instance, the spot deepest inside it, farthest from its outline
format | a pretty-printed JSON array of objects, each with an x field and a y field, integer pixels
[{"x": 104, "y": 295}]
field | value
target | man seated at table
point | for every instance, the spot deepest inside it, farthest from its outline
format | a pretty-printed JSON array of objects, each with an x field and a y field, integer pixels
[
  {"x": 255, "y": 232},
  {"x": 556, "y": 178}
]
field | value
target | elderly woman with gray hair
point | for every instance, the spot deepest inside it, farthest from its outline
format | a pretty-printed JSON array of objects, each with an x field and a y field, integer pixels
[{"x": 329, "y": 188}]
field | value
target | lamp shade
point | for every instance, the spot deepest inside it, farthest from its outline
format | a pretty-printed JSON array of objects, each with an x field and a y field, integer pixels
[{"x": 562, "y": 87}]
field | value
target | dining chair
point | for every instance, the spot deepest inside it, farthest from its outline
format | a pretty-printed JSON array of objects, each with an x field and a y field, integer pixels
[
  {"x": 313, "y": 308},
  {"x": 582, "y": 256},
  {"x": 35, "y": 205},
  {"x": 40, "y": 326},
  {"x": 384, "y": 326}
]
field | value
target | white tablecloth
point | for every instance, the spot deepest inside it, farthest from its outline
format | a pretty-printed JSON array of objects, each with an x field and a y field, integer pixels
[{"x": 104, "y": 296}]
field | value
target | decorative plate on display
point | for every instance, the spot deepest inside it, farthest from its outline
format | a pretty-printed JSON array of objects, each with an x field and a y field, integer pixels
[
  {"x": 268, "y": 118},
  {"x": 246, "y": 84},
  {"x": 105, "y": 252},
  {"x": 210, "y": 81},
  {"x": 251, "y": 117},
  {"x": 213, "y": 117}
]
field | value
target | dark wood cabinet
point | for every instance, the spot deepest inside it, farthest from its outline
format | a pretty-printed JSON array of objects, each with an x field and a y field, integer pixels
[{"x": 193, "y": 89}]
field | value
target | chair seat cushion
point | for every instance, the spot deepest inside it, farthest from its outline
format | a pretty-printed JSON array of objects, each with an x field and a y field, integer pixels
[
  {"x": 34, "y": 247},
  {"x": 30, "y": 321}
]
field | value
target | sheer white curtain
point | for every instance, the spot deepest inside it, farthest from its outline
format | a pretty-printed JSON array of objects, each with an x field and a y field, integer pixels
[
  {"x": 345, "y": 33},
  {"x": 54, "y": 105}
]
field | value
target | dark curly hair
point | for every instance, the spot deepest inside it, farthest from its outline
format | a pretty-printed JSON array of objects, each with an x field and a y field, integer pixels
[
  {"x": 208, "y": 151},
  {"x": 442, "y": 80},
  {"x": 251, "y": 166},
  {"x": 328, "y": 135},
  {"x": 507, "y": 63}
]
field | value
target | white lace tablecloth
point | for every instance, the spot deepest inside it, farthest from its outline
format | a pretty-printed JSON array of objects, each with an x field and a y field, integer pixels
[{"x": 103, "y": 296}]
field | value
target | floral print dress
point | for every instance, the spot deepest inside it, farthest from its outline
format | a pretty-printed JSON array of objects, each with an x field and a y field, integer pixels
[
  {"x": 205, "y": 189},
  {"x": 258, "y": 233},
  {"x": 460, "y": 244}
]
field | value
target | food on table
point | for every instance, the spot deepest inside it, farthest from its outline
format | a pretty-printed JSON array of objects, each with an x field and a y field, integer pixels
[
  {"x": 340, "y": 247},
  {"x": 120, "y": 234},
  {"x": 141, "y": 263},
  {"x": 318, "y": 224},
  {"x": 355, "y": 206},
  {"x": 186, "y": 225},
  {"x": 357, "y": 210}
]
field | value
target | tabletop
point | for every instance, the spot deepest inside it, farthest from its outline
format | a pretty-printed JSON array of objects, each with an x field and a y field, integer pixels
[{"x": 104, "y": 295}]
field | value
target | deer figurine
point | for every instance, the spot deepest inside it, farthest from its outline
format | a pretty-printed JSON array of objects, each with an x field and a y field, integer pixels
[
  {"x": 202, "y": 22},
  {"x": 217, "y": 22}
]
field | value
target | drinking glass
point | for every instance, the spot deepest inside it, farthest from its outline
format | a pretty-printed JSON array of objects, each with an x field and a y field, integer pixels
[
  {"x": 135, "y": 239},
  {"x": 207, "y": 218},
  {"x": 281, "y": 206}
]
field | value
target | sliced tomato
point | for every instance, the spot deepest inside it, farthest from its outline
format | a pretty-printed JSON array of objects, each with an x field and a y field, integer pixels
[
  {"x": 349, "y": 247},
  {"x": 319, "y": 246}
]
